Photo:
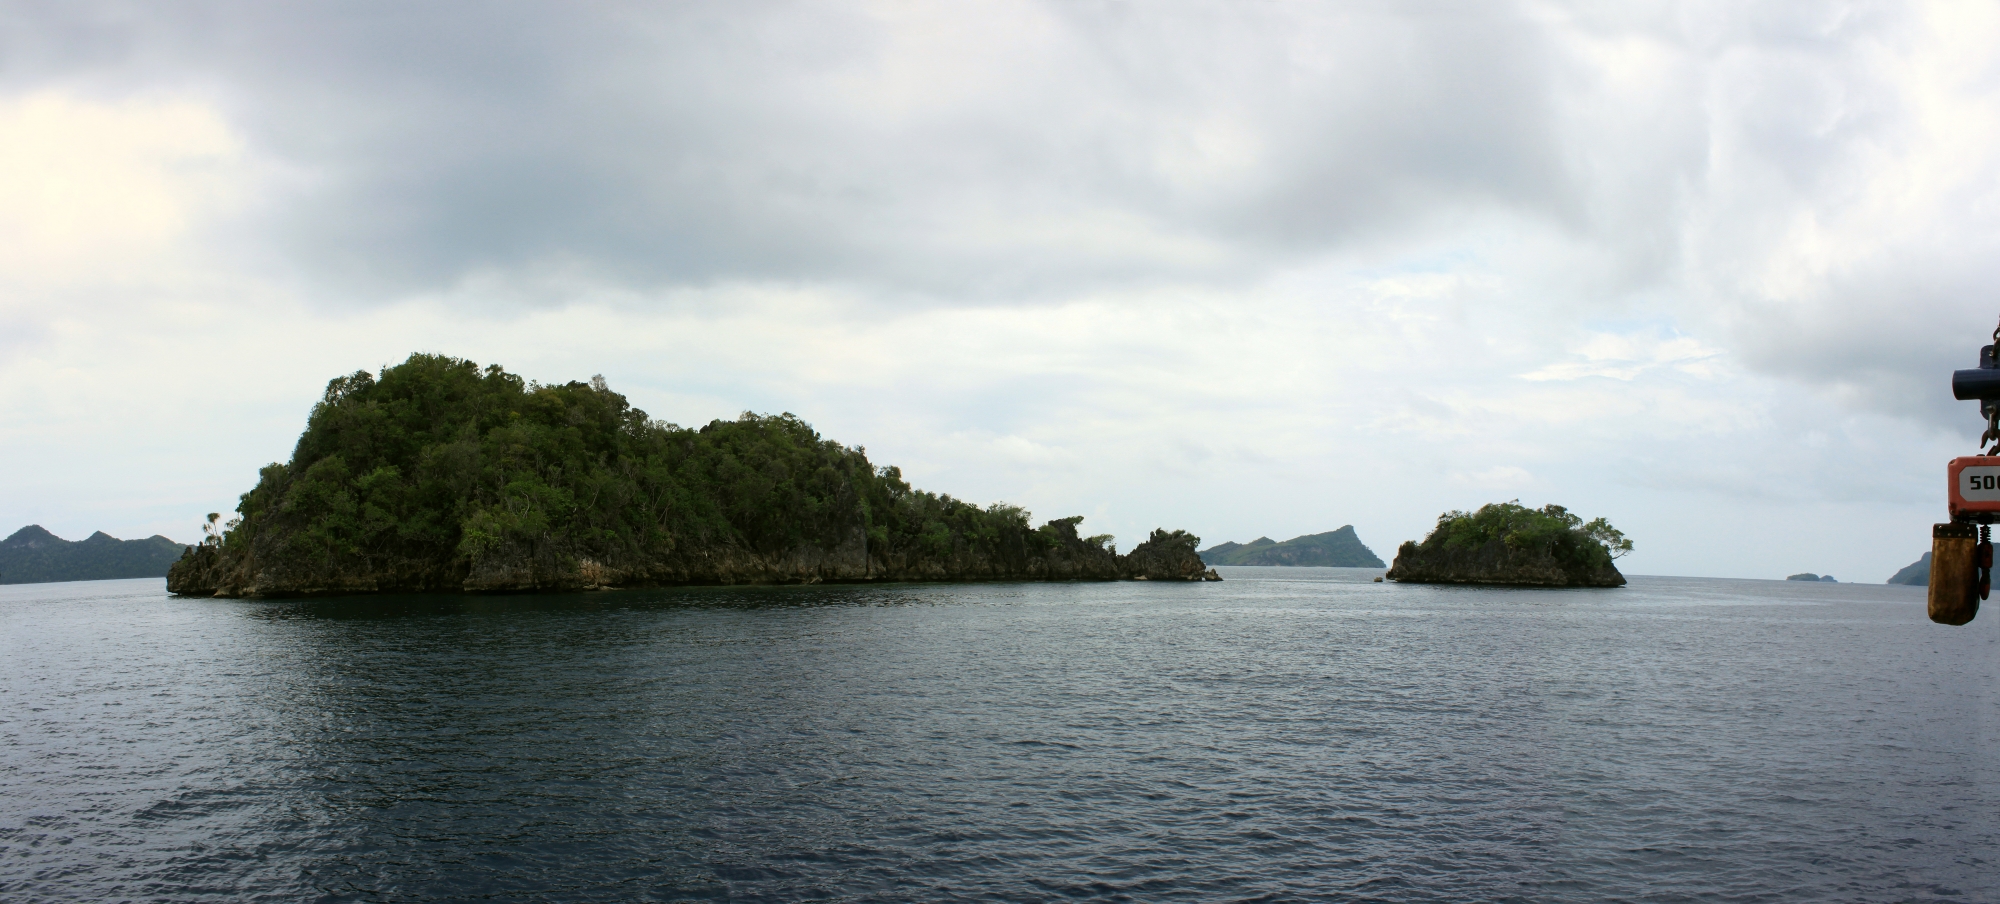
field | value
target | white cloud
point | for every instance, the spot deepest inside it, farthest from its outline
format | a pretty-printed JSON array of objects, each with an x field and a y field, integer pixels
[
  {"x": 91, "y": 192},
  {"x": 1501, "y": 478}
]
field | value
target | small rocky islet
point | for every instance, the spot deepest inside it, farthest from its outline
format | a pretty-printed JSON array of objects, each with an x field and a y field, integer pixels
[
  {"x": 1509, "y": 543},
  {"x": 439, "y": 475}
]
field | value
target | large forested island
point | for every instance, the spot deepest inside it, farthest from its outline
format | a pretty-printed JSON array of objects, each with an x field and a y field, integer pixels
[
  {"x": 1509, "y": 543},
  {"x": 441, "y": 475}
]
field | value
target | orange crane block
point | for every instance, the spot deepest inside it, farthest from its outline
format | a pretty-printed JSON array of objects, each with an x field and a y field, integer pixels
[{"x": 1975, "y": 488}]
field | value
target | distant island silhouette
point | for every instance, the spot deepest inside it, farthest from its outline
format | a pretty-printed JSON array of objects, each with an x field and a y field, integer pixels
[
  {"x": 1335, "y": 549},
  {"x": 32, "y": 555},
  {"x": 442, "y": 475},
  {"x": 1917, "y": 573}
]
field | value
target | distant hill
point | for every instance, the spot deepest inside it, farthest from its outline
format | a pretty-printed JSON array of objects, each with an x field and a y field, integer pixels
[
  {"x": 1809, "y": 576},
  {"x": 1335, "y": 548},
  {"x": 1917, "y": 572},
  {"x": 34, "y": 556}
]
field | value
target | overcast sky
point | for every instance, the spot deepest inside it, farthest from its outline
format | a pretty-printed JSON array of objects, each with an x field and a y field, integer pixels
[{"x": 1246, "y": 268}]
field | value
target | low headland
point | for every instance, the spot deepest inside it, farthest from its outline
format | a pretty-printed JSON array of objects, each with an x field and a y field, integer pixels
[
  {"x": 1509, "y": 543},
  {"x": 1917, "y": 573},
  {"x": 439, "y": 475}
]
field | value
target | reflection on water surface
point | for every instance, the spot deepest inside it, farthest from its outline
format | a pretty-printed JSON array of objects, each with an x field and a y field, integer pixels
[{"x": 1287, "y": 734}]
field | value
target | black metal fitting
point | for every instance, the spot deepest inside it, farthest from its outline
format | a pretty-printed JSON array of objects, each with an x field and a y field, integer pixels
[{"x": 1981, "y": 383}]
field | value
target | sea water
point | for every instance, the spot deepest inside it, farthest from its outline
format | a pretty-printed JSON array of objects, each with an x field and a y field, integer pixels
[{"x": 1288, "y": 734}]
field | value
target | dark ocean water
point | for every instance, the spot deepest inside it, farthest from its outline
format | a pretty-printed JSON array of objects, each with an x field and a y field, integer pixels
[{"x": 1289, "y": 734}]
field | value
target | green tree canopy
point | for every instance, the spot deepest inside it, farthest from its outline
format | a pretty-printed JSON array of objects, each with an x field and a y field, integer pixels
[
  {"x": 1551, "y": 529},
  {"x": 441, "y": 464}
]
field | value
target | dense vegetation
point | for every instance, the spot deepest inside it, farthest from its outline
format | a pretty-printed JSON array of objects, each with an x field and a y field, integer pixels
[
  {"x": 33, "y": 555},
  {"x": 438, "y": 471},
  {"x": 1507, "y": 542},
  {"x": 1333, "y": 549},
  {"x": 1551, "y": 530}
]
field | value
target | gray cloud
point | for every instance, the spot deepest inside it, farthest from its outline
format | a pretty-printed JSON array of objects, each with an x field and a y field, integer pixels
[{"x": 991, "y": 152}]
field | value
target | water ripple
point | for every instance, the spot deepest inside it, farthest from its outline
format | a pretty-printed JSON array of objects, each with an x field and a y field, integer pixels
[{"x": 1290, "y": 734}]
